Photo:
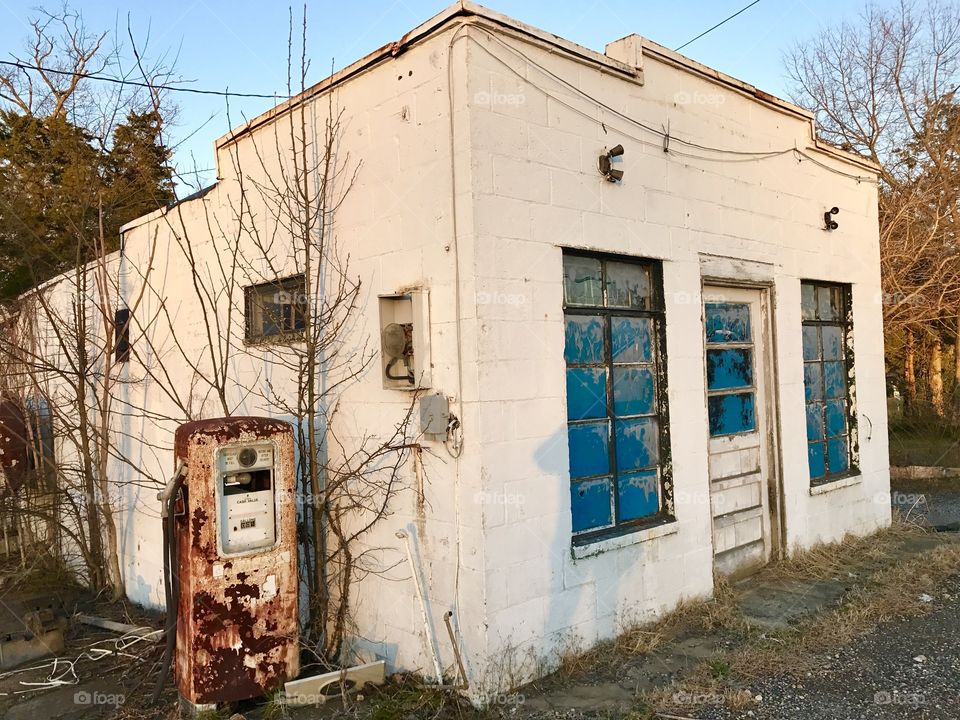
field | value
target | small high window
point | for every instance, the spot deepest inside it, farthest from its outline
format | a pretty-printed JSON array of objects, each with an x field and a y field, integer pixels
[
  {"x": 121, "y": 330},
  {"x": 828, "y": 380},
  {"x": 276, "y": 310},
  {"x": 617, "y": 427}
]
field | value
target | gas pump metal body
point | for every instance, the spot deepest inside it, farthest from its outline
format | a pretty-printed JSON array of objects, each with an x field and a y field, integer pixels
[{"x": 237, "y": 628}]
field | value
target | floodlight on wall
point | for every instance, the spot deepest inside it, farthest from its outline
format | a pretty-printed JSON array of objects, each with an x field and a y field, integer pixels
[
  {"x": 828, "y": 222},
  {"x": 606, "y": 164}
]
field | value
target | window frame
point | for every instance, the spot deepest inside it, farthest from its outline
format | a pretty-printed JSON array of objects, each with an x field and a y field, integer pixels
[
  {"x": 845, "y": 324},
  {"x": 295, "y": 284},
  {"x": 657, "y": 316}
]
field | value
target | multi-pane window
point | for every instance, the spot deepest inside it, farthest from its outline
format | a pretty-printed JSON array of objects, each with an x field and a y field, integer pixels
[
  {"x": 828, "y": 380},
  {"x": 276, "y": 310},
  {"x": 616, "y": 394},
  {"x": 731, "y": 390}
]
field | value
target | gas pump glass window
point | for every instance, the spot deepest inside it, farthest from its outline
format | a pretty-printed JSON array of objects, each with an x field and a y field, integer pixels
[
  {"x": 276, "y": 310},
  {"x": 246, "y": 498}
]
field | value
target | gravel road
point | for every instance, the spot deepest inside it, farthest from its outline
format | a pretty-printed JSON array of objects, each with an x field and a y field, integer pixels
[{"x": 908, "y": 669}]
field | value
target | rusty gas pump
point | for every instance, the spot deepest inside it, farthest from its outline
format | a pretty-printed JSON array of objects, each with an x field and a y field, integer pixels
[{"x": 231, "y": 560}]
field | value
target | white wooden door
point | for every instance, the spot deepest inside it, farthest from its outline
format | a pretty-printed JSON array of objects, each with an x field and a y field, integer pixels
[{"x": 739, "y": 445}]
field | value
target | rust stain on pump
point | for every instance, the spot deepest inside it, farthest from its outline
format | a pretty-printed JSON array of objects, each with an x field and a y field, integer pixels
[{"x": 237, "y": 630}]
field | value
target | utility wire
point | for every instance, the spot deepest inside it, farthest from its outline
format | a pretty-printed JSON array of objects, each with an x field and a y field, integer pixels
[
  {"x": 723, "y": 154},
  {"x": 134, "y": 83},
  {"x": 710, "y": 30}
]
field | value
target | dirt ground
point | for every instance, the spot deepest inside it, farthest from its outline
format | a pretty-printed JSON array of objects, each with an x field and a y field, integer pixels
[{"x": 865, "y": 629}]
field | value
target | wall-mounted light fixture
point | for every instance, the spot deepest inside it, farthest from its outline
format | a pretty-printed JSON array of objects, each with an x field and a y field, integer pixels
[
  {"x": 828, "y": 222},
  {"x": 606, "y": 164}
]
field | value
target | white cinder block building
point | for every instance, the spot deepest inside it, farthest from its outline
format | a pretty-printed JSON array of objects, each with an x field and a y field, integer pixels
[{"x": 657, "y": 375}]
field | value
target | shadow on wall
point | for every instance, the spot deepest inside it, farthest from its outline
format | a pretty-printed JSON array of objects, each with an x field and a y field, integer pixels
[{"x": 579, "y": 608}]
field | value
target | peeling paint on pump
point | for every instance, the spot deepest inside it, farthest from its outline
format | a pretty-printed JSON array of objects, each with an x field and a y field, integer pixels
[{"x": 237, "y": 634}]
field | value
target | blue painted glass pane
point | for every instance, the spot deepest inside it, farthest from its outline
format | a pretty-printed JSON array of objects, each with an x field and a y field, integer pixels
[
  {"x": 729, "y": 368},
  {"x": 837, "y": 459},
  {"x": 632, "y": 391},
  {"x": 584, "y": 340},
  {"x": 632, "y": 339},
  {"x": 727, "y": 322},
  {"x": 628, "y": 286},
  {"x": 729, "y": 414},
  {"x": 812, "y": 381},
  {"x": 834, "y": 380},
  {"x": 815, "y": 421},
  {"x": 590, "y": 504},
  {"x": 637, "y": 495},
  {"x": 815, "y": 460},
  {"x": 828, "y": 303},
  {"x": 589, "y": 449},
  {"x": 582, "y": 281},
  {"x": 808, "y": 301},
  {"x": 836, "y": 418},
  {"x": 811, "y": 343},
  {"x": 637, "y": 443},
  {"x": 832, "y": 342},
  {"x": 586, "y": 393}
]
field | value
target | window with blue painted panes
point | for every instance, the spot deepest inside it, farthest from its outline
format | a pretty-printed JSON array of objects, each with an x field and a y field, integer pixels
[
  {"x": 615, "y": 415},
  {"x": 828, "y": 380},
  {"x": 731, "y": 392}
]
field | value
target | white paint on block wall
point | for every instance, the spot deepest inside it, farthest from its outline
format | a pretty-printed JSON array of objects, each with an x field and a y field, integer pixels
[{"x": 479, "y": 119}]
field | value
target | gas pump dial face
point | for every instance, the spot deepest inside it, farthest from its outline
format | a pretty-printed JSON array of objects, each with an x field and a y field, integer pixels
[{"x": 246, "y": 498}]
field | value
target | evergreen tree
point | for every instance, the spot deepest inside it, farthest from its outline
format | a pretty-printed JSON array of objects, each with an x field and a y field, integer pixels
[{"x": 54, "y": 182}]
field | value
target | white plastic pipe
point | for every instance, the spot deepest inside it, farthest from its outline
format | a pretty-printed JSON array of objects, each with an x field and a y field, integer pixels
[{"x": 415, "y": 571}]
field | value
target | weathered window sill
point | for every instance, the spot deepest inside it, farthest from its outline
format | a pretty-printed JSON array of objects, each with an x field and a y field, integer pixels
[
  {"x": 836, "y": 484},
  {"x": 597, "y": 547}
]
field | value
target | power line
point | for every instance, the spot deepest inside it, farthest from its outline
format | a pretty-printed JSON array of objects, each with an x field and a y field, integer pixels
[
  {"x": 710, "y": 30},
  {"x": 122, "y": 81},
  {"x": 741, "y": 155}
]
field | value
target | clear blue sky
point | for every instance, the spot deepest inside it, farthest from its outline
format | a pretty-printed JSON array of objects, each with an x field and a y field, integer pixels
[{"x": 242, "y": 44}]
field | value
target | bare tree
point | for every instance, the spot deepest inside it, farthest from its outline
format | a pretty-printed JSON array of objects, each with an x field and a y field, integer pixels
[{"x": 884, "y": 87}]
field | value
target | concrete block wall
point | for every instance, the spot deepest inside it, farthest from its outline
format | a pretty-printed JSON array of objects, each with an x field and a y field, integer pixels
[{"x": 537, "y": 190}]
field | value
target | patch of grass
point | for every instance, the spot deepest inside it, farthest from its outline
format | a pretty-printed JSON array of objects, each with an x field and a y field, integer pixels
[
  {"x": 719, "y": 667},
  {"x": 276, "y": 706},
  {"x": 211, "y": 715},
  {"x": 403, "y": 697},
  {"x": 924, "y": 443}
]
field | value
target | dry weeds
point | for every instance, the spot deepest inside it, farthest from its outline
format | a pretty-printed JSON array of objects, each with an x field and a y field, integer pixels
[{"x": 689, "y": 617}]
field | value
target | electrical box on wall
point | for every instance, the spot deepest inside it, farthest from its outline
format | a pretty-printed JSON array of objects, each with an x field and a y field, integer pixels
[
  {"x": 434, "y": 415},
  {"x": 405, "y": 340}
]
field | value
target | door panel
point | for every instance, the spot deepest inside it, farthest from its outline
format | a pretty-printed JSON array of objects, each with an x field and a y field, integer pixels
[{"x": 735, "y": 372}]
